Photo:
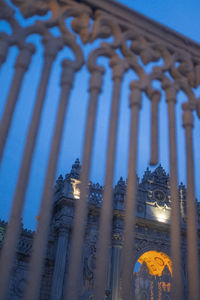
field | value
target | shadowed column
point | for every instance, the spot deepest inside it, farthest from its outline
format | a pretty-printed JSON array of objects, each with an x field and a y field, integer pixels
[
  {"x": 12, "y": 233},
  {"x": 192, "y": 263},
  {"x": 60, "y": 262},
  {"x": 75, "y": 262},
  {"x": 129, "y": 231},
  {"x": 104, "y": 241},
  {"x": 21, "y": 66},
  {"x": 175, "y": 211}
]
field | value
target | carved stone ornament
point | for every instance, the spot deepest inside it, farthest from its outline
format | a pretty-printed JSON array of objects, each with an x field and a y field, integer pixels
[
  {"x": 89, "y": 264},
  {"x": 93, "y": 30},
  {"x": 117, "y": 237}
]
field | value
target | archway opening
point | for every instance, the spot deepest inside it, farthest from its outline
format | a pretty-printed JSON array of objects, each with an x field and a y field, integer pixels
[
  {"x": 155, "y": 261},
  {"x": 152, "y": 274}
]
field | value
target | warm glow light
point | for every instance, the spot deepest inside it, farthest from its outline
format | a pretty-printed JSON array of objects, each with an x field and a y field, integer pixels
[
  {"x": 156, "y": 261},
  {"x": 161, "y": 217},
  {"x": 77, "y": 194},
  {"x": 76, "y": 190}
]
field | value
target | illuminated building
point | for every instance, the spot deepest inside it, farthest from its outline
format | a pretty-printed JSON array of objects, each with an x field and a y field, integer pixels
[{"x": 152, "y": 268}]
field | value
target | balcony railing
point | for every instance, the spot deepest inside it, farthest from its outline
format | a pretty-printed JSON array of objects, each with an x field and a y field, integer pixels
[{"x": 128, "y": 41}]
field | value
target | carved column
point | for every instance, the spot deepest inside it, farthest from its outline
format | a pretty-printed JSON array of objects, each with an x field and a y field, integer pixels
[
  {"x": 193, "y": 271},
  {"x": 75, "y": 261},
  {"x": 21, "y": 66},
  {"x": 129, "y": 222},
  {"x": 170, "y": 92},
  {"x": 52, "y": 46},
  {"x": 60, "y": 262},
  {"x": 119, "y": 67},
  {"x": 116, "y": 257}
]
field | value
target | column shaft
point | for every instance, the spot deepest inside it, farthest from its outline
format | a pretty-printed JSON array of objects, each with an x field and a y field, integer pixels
[
  {"x": 59, "y": 268},
  {"x": 116, "y": 256}
]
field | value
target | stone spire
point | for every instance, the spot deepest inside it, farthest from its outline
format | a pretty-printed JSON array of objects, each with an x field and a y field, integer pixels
[
  {"x": 160, "y": 176},
  {"x": 58, "y": 188},
  {"x": 59, "y": 183},
  {"x": 147, "y": 176},
  {"x": 75, "y": 170},
  {"x": 119, "y": 194}
]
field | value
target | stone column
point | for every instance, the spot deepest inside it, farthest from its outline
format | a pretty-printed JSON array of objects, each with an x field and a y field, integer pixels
[
  {"x": 193, "y": 270},
  {"x": 116, "y": 257},
  {"x": 60, "y": 263},
  {"x": 129, "y": 220}
]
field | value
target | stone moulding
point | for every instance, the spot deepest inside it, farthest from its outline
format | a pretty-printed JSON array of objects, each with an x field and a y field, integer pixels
[{"x": 128, "y": 17}]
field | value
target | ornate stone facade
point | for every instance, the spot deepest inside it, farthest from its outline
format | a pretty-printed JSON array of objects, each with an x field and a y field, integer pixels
[{"x": 152, "y": 234}]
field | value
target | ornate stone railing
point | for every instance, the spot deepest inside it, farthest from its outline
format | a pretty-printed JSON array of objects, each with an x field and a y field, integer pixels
[{"x": 136, "y": 41}]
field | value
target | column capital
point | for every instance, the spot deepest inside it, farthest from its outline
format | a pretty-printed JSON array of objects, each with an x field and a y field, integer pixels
[
  {"x": 96, "y": 80},
  {"x": 68, "y": 71},
  {"x": 135, "y": 96},
  {"x": 63, "y": 226},
  {"x": 170, "y": 94},
  {"x": 155, "y": 96},
  {"x": 118, "y": 66},
  {"x": 24, "y": 57},
  {"x": 63, "y": 230},
  {"x": 117, "y": 238},
  {"x": 52, "y": 45}
]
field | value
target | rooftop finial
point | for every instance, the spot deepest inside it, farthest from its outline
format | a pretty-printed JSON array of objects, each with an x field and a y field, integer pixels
[{"x": 75, "y": 170}]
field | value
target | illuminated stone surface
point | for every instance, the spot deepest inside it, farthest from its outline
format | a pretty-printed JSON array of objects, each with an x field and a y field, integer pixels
[
  {"x": 152, "y": 244},
  {"x": 156, "y": 262}
]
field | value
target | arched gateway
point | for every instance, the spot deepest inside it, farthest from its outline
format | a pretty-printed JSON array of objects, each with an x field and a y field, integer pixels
[
  {"x": 152, "y": 276},
  {"x": 151, "y": 255}
]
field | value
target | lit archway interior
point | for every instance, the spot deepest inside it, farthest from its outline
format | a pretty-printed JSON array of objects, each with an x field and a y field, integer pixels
[{"x": 155, "y": 261}]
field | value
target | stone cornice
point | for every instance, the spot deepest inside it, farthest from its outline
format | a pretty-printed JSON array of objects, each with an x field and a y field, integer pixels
[
  {"x": 152, "y": 223},
  {"x": 126, "y": 16}
]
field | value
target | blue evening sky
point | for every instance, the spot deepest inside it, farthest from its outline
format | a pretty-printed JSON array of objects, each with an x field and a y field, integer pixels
[{"x": 182, "y": 16}]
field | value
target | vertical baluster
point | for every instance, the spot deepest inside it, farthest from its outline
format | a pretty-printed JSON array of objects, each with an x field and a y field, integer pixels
[
  {"x": 14, "y": 225},
  {"x": 129, "y": 226},
  {"x": 155, "y": 98},
  {"x": 40, "y": 240},
  {"x": 75, "y": 261},
  {"x": 175, "y": 211},
  {"x": 106, "y": 211},
  {"x": 4, "y": 44},
  {"x": 193, "y": 266},
  {"x": 21, "y": 66}
]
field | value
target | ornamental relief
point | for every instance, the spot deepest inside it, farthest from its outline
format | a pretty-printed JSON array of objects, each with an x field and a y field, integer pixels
[
  {"x": 18, "y": 281},
  {"x": 89, "y": 265},
  {"x": 159, "y": 198},
  {"x": 130, "y": 48},
  {"x": 176, "y": 68},
  {"x": 144, "y": 245}
]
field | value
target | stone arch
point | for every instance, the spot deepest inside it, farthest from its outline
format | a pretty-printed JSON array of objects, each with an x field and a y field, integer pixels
[
  {"x": 156, "y": 262},
  {"x": 148, "y": 246},
  {"x": 153, "y": 276}
]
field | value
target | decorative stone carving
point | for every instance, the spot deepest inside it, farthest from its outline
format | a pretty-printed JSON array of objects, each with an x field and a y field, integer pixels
[
  {"x": 75, "y": 170},
  {"x": 136, "y": 42},
  {"x": 18, "y": 280},
  {"x": 119, "y": 194},
  {"x": 149, "y": 236},
  {"x": 95, "y": 193},
  {"x": 89, "y": 264}
]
